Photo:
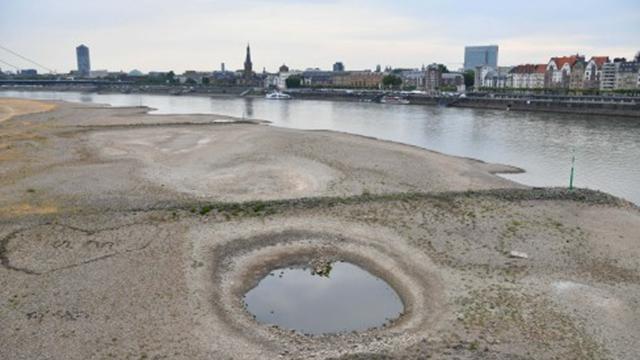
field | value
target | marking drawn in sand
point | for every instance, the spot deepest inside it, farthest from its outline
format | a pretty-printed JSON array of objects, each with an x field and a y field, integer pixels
[{"x": 49, "y": 248}]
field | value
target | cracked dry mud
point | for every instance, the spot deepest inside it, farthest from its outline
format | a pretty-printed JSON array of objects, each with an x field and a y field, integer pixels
[{"x": 131, "y": 236}]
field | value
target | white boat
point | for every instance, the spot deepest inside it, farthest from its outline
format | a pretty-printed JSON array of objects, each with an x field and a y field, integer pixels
[
  {"x": 394, "y": 100},
  {"x": 276, "y": 95}
]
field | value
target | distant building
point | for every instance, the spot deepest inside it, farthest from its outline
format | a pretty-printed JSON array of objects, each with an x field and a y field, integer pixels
[
  {"x": 271, "y": 81},
  {"x": 157, "y": 73},
  {"x": 412, "y": 78},
  {"x": 135, "y": 73},
  {"x": 620, "y": 75},
  {"x": 317, "y": 78},
  {"x": 94, "y": 74},
  {"x": 28, "y": 72},
  {"x": 222, "y": 67},
  {"x": 84, "y": 63},
  {"x": 528, "y": 76},
  {"x": 248, "y": 65},
  {"x": 281, "y": 81},
  {"x": 627, "y": 75},
  {"x": 498, "y": 78},
  {"x": 480, "y": 75},
  {"x": 222, "y": 78},
  {"x": 593, "y": 72},
  {"x": 338, "y": 67},
  {"x": 193, "y": 76},
  {"x": 576, "y": 78},
  {"x": 359, "y": 79},
  {"x": 433, "y": 77},
  {"x": 475, "y": 56},
  {"x": 560, "y": 69},
  {"x": 608, "y": 76},
  {"x": 453, "y": 80},
  {"x": 378, "y": 68},
  {"x": 284, "y": 68}
]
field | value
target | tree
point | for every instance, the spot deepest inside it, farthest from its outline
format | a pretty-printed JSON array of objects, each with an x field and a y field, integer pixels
[
  {"x": 443, "y": 69},
  {"x": 294, "y": 81},
  {"x": 170, "y": 77},
  {"x": 206, "y": 81},
  {"x": 469, "y": 78},
  {"x": 391, "y": 81}
]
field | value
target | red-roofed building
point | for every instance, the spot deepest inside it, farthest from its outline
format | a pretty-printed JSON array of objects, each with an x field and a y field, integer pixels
[
  {"x": 559, "y": 70},
  {"x": 529, "y": 76},
  {"x": 593, "y": 71}
]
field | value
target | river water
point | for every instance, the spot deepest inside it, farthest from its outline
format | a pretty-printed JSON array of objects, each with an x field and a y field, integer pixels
[{"x": 607, "y": 149}]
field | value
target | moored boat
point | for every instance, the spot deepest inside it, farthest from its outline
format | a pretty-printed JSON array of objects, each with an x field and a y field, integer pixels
[
  {"x": 394, "y": 100},
  {"x": 276, "y": 95}
]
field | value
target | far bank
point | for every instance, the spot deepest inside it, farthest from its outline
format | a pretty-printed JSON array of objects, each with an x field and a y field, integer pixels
[{"x": 605, "y": 105}]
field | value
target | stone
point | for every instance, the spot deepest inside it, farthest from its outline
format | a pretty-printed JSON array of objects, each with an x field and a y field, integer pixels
[{"x": 518, "y": 255}]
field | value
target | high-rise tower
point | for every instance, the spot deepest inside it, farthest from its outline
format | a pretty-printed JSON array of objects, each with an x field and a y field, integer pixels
[
  {"x": 480, "y": 55},
  {"x": 248, "y": 65},
  {"x": 84, "y": 64}
]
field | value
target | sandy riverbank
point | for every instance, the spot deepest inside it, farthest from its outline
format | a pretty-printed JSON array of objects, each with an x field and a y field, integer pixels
[
  {"x": 15, "y": 107},
  {"x": 128, "y": 235}
]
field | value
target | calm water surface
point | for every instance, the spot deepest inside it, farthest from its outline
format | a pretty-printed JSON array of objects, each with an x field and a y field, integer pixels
[
  {"x": 607, "y": 149},
  {"x": 348, "y": 298}
]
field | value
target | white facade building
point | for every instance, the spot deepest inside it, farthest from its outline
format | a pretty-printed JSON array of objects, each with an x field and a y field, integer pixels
[
  {"x": 608, "y": 76},
  {"x": 281, "y": 82},
  {"x": 527, "y": 76},
  {"x": 481, "y": 76}
]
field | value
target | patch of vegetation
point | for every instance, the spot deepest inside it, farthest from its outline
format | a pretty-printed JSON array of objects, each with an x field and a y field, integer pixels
[
  {"x": 324, "y": 270},
  {"x": 448, "y": 201},
  {"x": 205, "y": 210}
]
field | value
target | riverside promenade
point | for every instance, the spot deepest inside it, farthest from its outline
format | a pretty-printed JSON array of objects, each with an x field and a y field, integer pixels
[{"x": 608, "y": 105}]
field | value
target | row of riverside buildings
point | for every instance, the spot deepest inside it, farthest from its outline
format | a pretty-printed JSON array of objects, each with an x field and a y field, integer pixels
[
  {"x": 572, "y": 72},
  {"x": 567, "y": 72},
  {"x": 430, "y": 77},
  {"x": 338, "y": 77}
]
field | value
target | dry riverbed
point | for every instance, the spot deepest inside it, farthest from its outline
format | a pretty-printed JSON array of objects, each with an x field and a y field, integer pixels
[{"x": 134, "y": 236}]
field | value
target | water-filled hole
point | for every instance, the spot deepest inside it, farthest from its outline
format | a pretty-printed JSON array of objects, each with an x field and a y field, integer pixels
[{"x": 337, "y": 297}]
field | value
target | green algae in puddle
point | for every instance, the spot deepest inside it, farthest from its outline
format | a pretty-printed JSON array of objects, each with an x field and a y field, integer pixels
[{"x": 345, "y": 298}]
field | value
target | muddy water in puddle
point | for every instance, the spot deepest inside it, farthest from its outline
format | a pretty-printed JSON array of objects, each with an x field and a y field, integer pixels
[{"x": 347, "y": 298}]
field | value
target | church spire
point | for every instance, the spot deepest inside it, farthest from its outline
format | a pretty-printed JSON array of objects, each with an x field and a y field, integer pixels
[{"x": 248, "y": 65}]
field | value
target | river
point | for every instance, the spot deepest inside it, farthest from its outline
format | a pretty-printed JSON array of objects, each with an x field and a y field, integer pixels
[{"x": 606, "y": 149}]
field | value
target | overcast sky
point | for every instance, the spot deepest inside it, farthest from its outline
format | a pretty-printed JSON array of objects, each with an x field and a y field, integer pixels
[{"x": 200, "y": 34}]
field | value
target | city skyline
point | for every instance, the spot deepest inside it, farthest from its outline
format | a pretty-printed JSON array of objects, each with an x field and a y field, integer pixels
[{"x": 200, "y": 35}]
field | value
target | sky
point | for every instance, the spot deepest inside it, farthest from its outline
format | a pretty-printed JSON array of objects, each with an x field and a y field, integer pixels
[{"x": 199, "y": 34}]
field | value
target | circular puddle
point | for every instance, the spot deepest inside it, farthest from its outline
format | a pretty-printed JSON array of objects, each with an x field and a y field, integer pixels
[{"x": 339, "y": 297}]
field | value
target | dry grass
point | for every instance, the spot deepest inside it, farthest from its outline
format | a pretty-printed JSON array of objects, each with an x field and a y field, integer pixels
[
  {"x": 14, "y": 107},
  {"x": 27, "y": 209}
]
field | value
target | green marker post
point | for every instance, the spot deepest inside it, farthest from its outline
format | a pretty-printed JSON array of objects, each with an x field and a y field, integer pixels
[{"x": 573, "y": 166}]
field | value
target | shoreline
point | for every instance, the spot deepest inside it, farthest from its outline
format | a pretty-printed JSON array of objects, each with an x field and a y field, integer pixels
[
  {"x": 502, "y": 168},
  {"x": 499, "y": 168},
  {"x": 519, "y": 103},
  {"x": 133, "y": 131}
]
